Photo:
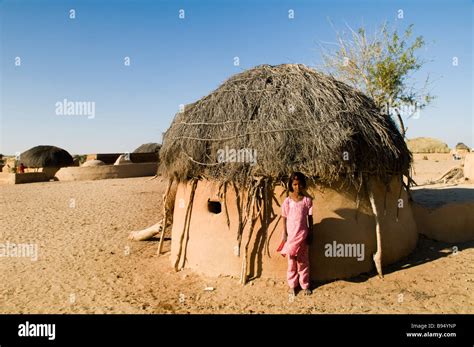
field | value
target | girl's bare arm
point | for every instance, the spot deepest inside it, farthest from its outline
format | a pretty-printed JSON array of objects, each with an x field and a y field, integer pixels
[{"x": 285, "y": 233}]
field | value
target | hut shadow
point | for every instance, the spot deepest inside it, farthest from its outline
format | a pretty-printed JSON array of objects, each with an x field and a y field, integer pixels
[
  {"x": 435, "y": 197},
  {"x": 263, "y": 235},
  {"x": 426, "y": 250},
  {"x": 347, "y": 219}
]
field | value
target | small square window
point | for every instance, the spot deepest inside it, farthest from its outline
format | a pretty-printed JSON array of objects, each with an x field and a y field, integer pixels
[{"x": 214, "y": 206}]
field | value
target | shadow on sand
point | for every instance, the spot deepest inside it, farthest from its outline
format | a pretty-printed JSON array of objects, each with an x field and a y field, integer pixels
[{"x": 427, "y": 250}]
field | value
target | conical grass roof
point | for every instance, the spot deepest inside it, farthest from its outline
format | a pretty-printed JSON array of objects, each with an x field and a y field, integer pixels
[{"x": 288, "y": 118}]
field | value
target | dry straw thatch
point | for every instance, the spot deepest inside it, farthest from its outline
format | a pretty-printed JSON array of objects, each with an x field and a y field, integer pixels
[{"x": 295, "y": 119}]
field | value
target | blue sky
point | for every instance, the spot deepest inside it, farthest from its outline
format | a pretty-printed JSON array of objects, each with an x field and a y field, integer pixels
[{"x": 177, "y": 61}]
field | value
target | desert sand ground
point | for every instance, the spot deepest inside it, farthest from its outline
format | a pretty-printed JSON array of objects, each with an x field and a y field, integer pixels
[
  {"x": 431, "y": 169},
  {"x": 86, "y": 264}
]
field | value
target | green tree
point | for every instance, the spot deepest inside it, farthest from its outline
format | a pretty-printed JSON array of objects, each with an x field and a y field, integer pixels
[{"x": 381, "y": 66}]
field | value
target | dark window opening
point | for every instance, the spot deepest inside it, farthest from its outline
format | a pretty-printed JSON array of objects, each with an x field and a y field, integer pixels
[{"x": 214, "y": 206}]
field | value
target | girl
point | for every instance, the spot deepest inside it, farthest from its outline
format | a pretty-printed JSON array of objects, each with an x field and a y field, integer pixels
[{"x": 297, "y": 233}]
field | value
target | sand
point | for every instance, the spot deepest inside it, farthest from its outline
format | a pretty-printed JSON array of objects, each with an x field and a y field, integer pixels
[
  {"x": 86, "y": 264},
  {"x": 426, "y": 171}
]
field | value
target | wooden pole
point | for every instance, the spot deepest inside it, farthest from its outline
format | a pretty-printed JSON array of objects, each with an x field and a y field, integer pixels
[
  {"x": 377, "y": 257},
  {"x": 165, "y": 214},
  {"x": 186, "y": 225}
]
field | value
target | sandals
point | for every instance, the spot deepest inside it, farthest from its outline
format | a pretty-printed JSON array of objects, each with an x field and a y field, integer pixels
[{"x": 307, "y": 292}]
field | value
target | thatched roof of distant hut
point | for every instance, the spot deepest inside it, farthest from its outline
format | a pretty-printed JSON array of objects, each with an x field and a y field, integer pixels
[
  {"x": 148, "y": 148},
  {"x": 295, "y": 118},
  {"x": 46, "y": 156},
  {"x": 427, "y": 145},
  {"x": 462, "y": 146}
]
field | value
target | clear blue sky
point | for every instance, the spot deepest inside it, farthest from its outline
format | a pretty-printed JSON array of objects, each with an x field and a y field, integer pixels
[{"x": 177, "y": 61}]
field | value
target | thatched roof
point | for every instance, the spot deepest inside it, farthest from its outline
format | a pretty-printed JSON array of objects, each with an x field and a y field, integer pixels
[
  {"x": 294, "y": 118},
  {"x": 46, "y": 156},
  {"x": 462, "y": 146},
  {"x": 148, "y": 148},
  {"x": 427, "y": 145}
]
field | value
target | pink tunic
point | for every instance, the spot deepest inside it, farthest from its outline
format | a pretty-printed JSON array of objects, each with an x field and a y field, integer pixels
[{"x": 296, "y": 214}]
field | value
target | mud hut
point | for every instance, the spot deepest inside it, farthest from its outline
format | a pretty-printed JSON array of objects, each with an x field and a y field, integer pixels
[
  {"x": 228, "y": 155},
  {"x": 148, "y": 148},
  {"x": 48, "y": 159},
  {"x": 462, "y": 149}
]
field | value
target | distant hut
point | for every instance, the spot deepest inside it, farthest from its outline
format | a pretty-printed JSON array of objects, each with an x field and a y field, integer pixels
[
  {"x": 427, "y": 145},
  {"x": 228, "y": 156},
  {"x": 47, "y": 158},
  {"x": 148, "y": 148},
  {"x": 146, "y": 153},
  {"x": 462, "y": 149}
]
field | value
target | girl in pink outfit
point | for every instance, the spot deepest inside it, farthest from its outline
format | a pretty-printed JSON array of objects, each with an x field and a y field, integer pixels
[{"x": 297, "y": 233}]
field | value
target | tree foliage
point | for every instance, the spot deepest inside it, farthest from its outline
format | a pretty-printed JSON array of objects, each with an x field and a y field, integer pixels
[{"x": 382, "y": 66}]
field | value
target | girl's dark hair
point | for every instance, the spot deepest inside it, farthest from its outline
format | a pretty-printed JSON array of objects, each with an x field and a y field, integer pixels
[{"x": 296, "y": 176}]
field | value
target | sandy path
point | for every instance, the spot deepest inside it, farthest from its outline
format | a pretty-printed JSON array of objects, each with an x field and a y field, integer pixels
[{"x": 86, "y": 264}]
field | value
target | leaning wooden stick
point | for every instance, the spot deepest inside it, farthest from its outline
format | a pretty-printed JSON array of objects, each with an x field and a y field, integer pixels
[
  {"x": 188, "y": 225},
  {"x": 165, "y": 214},
  {"x": 243, "y": 274},
  {"x": 187, "y": 216},
  {"x": 239, "y": 213},
  {"x": 253, "y": 218},
  {"x": 225, "y": 206},
  {"x": 378, "y": 254}
]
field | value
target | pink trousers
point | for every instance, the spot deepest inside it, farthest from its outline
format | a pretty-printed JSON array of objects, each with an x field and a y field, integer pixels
[{"x": 298, "y": 269}]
